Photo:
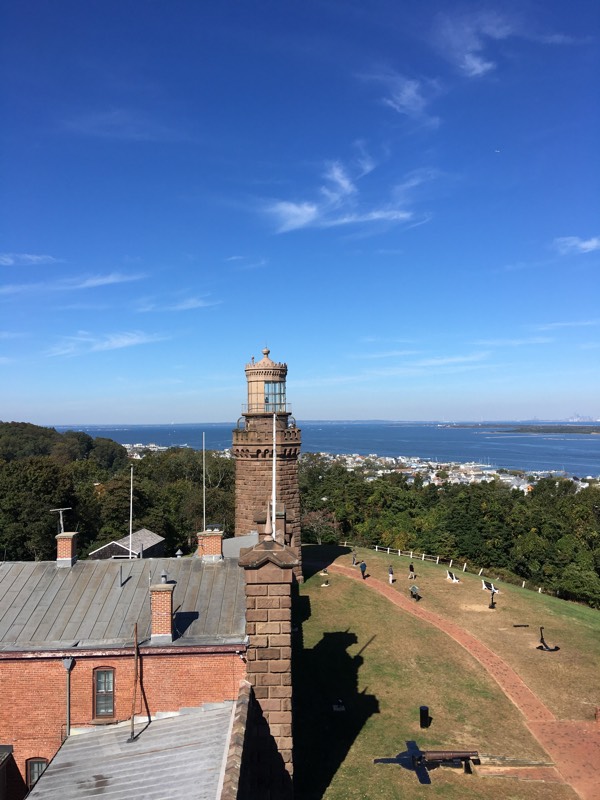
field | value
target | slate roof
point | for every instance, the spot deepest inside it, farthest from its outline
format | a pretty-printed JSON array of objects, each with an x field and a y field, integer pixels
[
  {"x": 142, "y": 539},
  {"x": 43, "y": 606},
  {"x": 181, "y": 756}
]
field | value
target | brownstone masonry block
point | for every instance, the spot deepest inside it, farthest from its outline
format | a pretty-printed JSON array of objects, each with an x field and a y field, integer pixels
[
  {"x": 280, "y": 666},
  {"x": 269, "y": 679},
  {"x": 279, "y": 614},
  {"x": 280, "y": 640},
  {"x": 257, "y": 616},
  {"x": 258, "y": 666},
  {"x": 256, "y": 590},
  {"x": 277, "y": 590},
  {"x": 279, "y": 717},
  {"x": 281, "y": 691},
  {"x": 268, "y": 602},
  {"x": 267, "y": 654},
  {"x": 271, "y": 704},
  {"x": 280, "y": 731},
  {"x": 267, "y": 627}
]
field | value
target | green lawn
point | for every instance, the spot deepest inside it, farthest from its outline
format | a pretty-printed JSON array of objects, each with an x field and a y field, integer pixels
[{"x": 383, "y": 664}]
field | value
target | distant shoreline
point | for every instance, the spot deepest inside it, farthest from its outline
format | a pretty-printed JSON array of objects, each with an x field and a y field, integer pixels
[{"x": 558, "y": 428}]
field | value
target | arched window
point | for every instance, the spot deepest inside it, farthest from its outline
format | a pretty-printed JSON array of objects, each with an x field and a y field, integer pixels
[
  {"x": 35, "y": 767},
  {"x": 104, "y": 692}
]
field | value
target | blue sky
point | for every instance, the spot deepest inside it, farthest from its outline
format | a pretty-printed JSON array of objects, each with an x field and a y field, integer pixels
[{"x": 401, "y": 200}]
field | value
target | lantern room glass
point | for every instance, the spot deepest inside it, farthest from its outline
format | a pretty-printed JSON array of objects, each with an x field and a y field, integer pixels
[{"x": 274, "y": 396}]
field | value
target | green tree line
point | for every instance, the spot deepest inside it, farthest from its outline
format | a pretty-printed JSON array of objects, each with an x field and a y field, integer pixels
[
  {"x": 41, "y": 469},
  {"x": 550, "y": 536}
]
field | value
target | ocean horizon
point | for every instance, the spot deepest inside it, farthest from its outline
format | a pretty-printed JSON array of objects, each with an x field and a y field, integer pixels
[{"x": 492, "y": 443}]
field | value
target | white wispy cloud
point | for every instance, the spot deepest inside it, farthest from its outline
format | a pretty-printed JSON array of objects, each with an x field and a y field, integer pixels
[
  {"x": 463, "y": 39},
  {"x": 191, "y": 303},
  {"x": 84, "y": 342},
  {"x": 551, "y": 326},
  {"x": 339, "y": 203},
  {"x": 569, "y": 245},
  {"x": 5, "y": 360},
  {"x": 26, "y": 259},
  {"x": 244, "y": 263},
  {"x": 123, "y": 124},
  {"x": 290, "y": 216},
  {"x": 70, "y": 284},
  {"x": 444, "y": 361},
  {"x": 148, "y": 304},
  {"x": 385, "y": 354},
  {"x": 514, "y": 342},
  {"x": 410, "y": 97},
  {"x": 103, "y": 280}
]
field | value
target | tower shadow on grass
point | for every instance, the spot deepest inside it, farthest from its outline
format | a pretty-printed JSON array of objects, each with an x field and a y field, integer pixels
[
  {"x": 316, "y": 557},
  {"x": 329, "y": 711}
]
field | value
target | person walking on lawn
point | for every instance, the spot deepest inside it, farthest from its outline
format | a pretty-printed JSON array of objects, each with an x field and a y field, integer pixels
[
  {"x": 363, "y": 569},
  {"x": 391, "y": 574}
]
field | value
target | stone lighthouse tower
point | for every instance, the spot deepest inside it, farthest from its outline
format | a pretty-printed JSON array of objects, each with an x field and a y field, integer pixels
[{"x": 267, "y": 426}]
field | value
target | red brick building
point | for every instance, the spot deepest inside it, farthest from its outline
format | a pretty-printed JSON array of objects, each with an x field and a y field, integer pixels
[
  {"x": 68, "y": 654},
  {"x": 88, "y": 645}
]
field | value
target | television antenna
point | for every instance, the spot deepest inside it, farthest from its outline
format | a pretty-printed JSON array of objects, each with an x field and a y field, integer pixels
[{"x": 60, "y": 511}]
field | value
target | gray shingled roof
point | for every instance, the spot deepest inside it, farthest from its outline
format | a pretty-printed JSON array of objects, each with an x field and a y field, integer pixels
[
  {"x": 44, "y": 606},
  {"x": 181, "y": 756},
  {"x": 139, "y": 539}
]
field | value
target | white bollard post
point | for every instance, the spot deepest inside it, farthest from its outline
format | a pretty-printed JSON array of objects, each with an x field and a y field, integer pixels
[
  {"x": 399, "y": 552},
  {"x": 480, "y": 571},
  {"x": 437, "y": 561},
  {"x": 411, "y": 553},
  {"x": 422, "y": 556},
  {"x": 523, "y": 585},
  {"x": 465, "y": 567},
  {"x": 540, "y": 590},
  {"x": 388, "y": 551},
  {"x": 451, "y": 560}
]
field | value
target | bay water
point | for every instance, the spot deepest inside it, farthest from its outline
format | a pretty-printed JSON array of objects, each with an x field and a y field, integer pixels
[{"x": 497, "y": 445}]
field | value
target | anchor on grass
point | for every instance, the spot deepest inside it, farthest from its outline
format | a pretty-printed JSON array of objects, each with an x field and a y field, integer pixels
[{"x": 543, "y": 645}]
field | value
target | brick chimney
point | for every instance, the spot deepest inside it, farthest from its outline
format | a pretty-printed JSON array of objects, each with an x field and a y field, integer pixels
[
  {"x": 66, "y": 549},
  {"x": 269, "y": 572},
  {"x": 210, "y": 545},
  {"x": 161, "y": 604}
]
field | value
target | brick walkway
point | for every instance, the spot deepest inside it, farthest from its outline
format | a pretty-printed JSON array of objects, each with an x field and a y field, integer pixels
[{"x": 573, "y": 746}]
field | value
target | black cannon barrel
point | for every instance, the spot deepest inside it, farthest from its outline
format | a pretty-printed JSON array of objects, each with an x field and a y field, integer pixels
[{"x": 448, "y": 755}]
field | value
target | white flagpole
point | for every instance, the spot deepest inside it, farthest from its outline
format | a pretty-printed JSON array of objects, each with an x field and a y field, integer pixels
[
  {"x": 203, "y": 485},
  {"x": 131, "y": 514},
  {"x": 274, "y": 477}
]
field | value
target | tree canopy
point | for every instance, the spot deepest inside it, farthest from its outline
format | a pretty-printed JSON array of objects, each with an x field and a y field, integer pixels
[{"x": 550, "y": 536}]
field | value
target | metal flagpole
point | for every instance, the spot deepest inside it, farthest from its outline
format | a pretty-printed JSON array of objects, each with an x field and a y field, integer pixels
[
  {"x": 131, "y": 515},
  {"x": 203, "y": 485},
  {"x": 274, "y": 478}
]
